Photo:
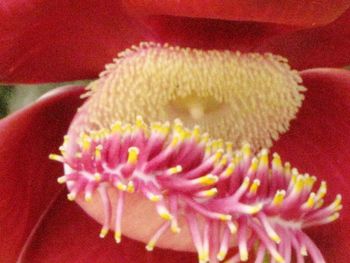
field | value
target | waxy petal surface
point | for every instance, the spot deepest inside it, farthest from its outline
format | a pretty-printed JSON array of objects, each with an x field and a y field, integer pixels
[
  {"x": 28, "y": 178},
  {"x": 300, "y": 13},
  {"x": 319, "y": 143},
  {"x": 45, "y": 41},
  {"x": 326, "y": 46},
  {"x": 61, "y": 40}
]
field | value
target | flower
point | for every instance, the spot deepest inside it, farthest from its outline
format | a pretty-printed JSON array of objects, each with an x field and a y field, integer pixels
[{"x": 316, "y": 141}]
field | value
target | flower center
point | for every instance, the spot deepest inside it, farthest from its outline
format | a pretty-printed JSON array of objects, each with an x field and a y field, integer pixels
[
  {"x": 238, "y": 97},
  {"x": 195, "y": 184}
]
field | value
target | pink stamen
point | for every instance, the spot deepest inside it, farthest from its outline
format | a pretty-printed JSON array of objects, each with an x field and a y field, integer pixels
[{"x": 219, "y": 193}]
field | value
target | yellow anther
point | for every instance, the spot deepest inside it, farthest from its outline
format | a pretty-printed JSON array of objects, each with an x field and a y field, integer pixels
[
  {"x": 207, "y": 180},
  {"x": 278, "y": 257},
  {"x": 208, "y": 193},
  {"x": 139, "y": 122},
  {"x": 85, "y": 141},
  {"x": 175, "y": 170},
  {"x": 243, "y": 255},
  {"x": 287, "y": 169},
  {"x": 117, "y": 237},
  {"x": 97, "y": 177},
  {"x": 121, "y": 187},
  {"x": 254, "y": 165},
  {"x": 232, "y": 227},
  {"x": 309, "y": 181},
  {"x": 299, "y": 185},
  {"x": 255, "y": 208},
  {"x": 337, "y": 201},
  {"x": 275, "y": 238},
  {"x": 154, "y": 198},
  {"x": 104, "y": 232},
  {"x": 333, "y": 217},
  {"x": 264, "y": 158},
  {"x": 203, "y": 256},
  {"x": 130, "y": 187},
  {"x": 246, "y": 150},
  {"x": 322, "y": 190},
  {"x": 174, "y": 227},
  {"x": 276, "y": 162},
  {"x": 150, "y": 246},
  {"x": 71, "y": 196},
  {"x": 133, "y": 153},
  {"x": 229, "y": 147},
  {"x": 311, "y": 200},
  {"x": 223, "y": 161},
  {"x": 56, "y": 157},
  {"x": 88, "y": 197},
  {"x": 175, "y": 141},
  {"x": 246, "y": 182},
  {"x": 218, "y": 155},
  {"x": 166, "y": 215},
  {"x": 205, "y": 138},
  {"x": 224, "y": 217},
  {"x": 98, "y": 152},
  {"x": 279, "y": 197},
  {"x": 229, "y": 170},
  {"x": 254, "y": 186},
  {"x": 221, "y": 255},
  {"x": 62, "y": 179},
  {"x": 303, "y": 251}
]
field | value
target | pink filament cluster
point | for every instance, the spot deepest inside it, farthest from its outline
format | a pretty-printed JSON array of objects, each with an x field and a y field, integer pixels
[{"x": 222, "y": 193}]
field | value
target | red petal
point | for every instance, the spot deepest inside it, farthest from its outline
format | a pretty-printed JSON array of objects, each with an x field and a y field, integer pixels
[
  {"x": 319, "y": 143},
  {"x": 50, "y": 41},
  {"x": 68, "y": 235},
  {"x": 326, "y": 46},
  {"x": 300, "y": 13},
  {"x": 28, "y": 178}
]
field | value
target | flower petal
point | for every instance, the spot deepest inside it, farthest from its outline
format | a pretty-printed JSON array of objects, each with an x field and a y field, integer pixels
[
  {"x": 319, "y": 142},
  {"x": 28, "y": 178},
  {"x": 68, "y": 235},
  {"x": 50, "y": 41},
  {"x": 326, "y": 46},
  {"x": 300, "y": 13}
]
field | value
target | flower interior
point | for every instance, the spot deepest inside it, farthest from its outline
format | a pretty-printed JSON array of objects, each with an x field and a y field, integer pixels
[{"x": 230, "y": 203}]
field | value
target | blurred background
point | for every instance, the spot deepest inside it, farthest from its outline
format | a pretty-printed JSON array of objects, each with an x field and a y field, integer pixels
[{"x": 14, "y": 97}]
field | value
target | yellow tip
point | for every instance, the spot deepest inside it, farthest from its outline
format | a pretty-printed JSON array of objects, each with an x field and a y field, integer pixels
[
  {"x": 221, "y": 255},
  {"x": 103, "y": 232},
  {"x": 175, "y": 228},
  {"x": 279, "y": 197},
  {"x": 56, "y": 157},
  {"x": 254, "y": 187},
  {"x": 133, "y": 153},
  {"x": 208, "y": 193},
  {"x": 130, "y": 187},
  {"x": 121, "y": 187},
  {"x": 97, "y": 177},
  {"x": 224, "y": 217},
  {"x": 71, "y": 196},
  {"x": 88, "y": 197},
  {"x": 208, "y": 179},
  {"x": 150, "y": 246},
  {"x": 117, "y": 237},
  {"x": 175, "y": 170},
  {"x": 246, "y": 150},
  {"x": 155, "y": 198},
  {"x": 243, "y": 255},
  {"x": 61, "y": 180},
  {"x": 165, "y": 215}
]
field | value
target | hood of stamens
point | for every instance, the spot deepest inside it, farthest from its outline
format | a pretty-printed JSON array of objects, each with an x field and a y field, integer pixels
[
  {"x": 170, "y": 181},
  {"x": 241, "y": 97}
]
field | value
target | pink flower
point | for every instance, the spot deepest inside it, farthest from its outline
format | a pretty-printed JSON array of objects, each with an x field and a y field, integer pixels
[{"x": 44, "y": 41}]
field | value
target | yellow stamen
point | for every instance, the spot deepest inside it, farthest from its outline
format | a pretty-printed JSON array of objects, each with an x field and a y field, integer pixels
[{"x": 133, "y": 153}]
